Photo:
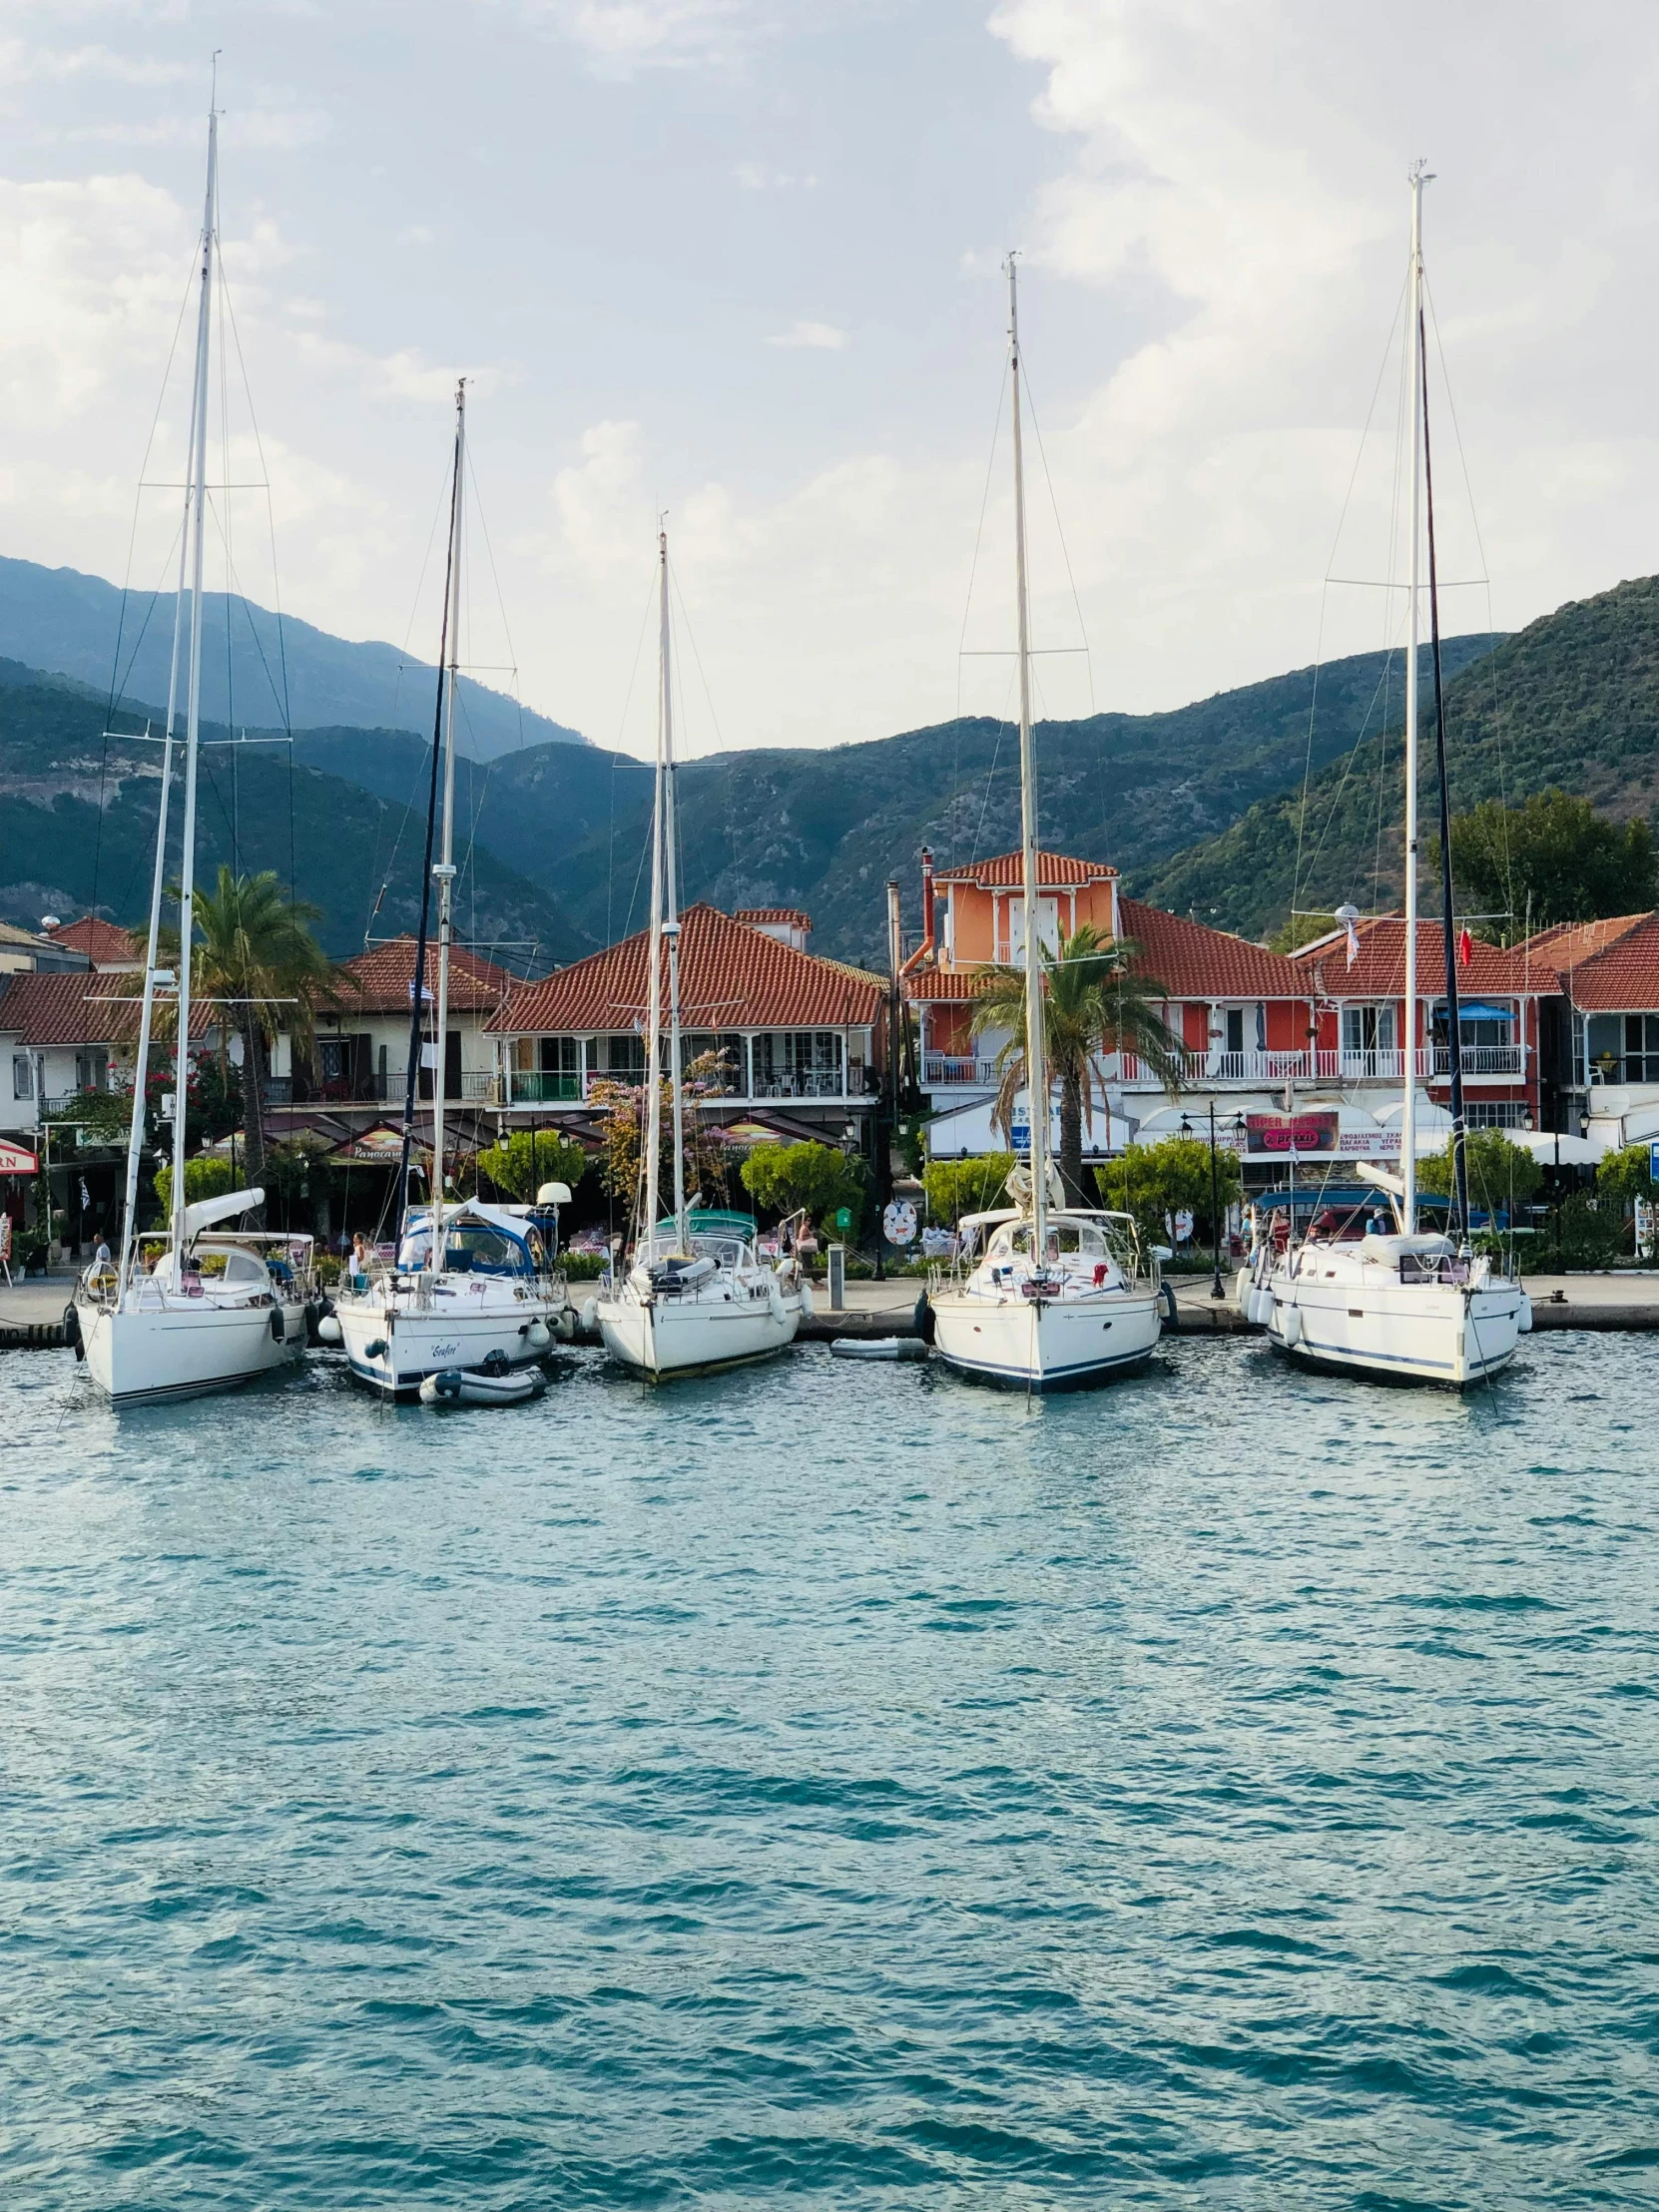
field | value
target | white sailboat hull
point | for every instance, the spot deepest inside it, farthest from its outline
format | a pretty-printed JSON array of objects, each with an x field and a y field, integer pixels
[
  {"x": 662, "y": 1336},
  {"x": 1414, "y": 1333},
  {"x": 394, "y": 1340},
  {"x": 150, "y": 1354},
  {"x": 1045, "y": 1344}
]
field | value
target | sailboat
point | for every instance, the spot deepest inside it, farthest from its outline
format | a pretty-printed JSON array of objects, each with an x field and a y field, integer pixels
[
  {"x": 1050, "y": 1295},
  {"x": 473, "y": 1288},
  {"x": 697, "y": 1296},
  {"x": 216, "y": 1308},
  {"x": 1352, "y": 1296}
]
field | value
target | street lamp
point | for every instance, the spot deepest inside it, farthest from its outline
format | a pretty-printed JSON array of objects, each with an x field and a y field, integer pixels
[{"x": 1216, "y": 1290}]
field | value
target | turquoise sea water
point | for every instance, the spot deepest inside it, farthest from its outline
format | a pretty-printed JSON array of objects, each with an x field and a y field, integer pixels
[{"x": 836, "y": 1784}]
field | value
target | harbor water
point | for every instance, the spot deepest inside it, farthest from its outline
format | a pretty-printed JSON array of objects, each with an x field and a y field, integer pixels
[{"x": 833, "y": 1784}]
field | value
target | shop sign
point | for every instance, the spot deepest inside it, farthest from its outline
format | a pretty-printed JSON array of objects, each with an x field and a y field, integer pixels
[
  {"x": 1276, "y": 1136},
  {"x": 14, "y": 1160}
]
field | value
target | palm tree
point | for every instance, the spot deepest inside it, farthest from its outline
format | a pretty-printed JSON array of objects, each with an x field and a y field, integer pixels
[
  {"x": 256, "y": 955},
  {"x": 1094, "y": 1000}
]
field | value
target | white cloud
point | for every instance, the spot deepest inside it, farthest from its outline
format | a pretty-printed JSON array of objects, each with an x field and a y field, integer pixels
[
  {"x": 818, "y": 336},
  {"x": 757, "y": 177},
  {"x": 621, "y": 36},
  {"x": 1234, "y": 187}
]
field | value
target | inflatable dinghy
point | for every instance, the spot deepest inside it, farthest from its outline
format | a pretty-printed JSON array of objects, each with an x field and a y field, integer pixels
[
  {"x": 471, "y": 1387},
  {"x": 877, "y": 1347}
]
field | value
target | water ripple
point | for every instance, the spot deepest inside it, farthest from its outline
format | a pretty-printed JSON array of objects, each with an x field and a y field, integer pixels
[{"x": 1233, "y": 1789}]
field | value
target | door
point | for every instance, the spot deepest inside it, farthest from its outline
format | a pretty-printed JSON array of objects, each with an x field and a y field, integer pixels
[{"x": 1048, "y": 926}]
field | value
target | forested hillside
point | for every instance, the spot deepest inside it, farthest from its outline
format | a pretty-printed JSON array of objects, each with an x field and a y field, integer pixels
[
  {"x": 1571, "y": 702},
  {"x": 78, "y": 826}
]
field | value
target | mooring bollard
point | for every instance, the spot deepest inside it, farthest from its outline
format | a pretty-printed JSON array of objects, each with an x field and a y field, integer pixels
[{"x": 838, "y": 1277}]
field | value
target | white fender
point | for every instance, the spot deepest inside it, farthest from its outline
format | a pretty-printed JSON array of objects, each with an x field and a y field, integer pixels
[
  {"x": 807, "y": 1307},
  {"x": 538, "y": 1335},
  {"x": 1524, "y": 1320},
  {"x": 328, "y": 1330},
  {"x": 590, "y": 1316},
  {"x": 1244, "y": 1292},
  {"x": 774, "y": 1299},
  {"x": 1289, "y": 1325}
]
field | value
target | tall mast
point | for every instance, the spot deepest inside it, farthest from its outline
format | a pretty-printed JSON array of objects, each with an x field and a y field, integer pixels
[
  {"x": 417, "y": 983},
  {"x": 141, "y": 1071},
  {"x": 1453, "y": 1018},
  {"x": 654, "y": 984},
  {"x": 195, "y": 516},
  {"x": 445, "y": 869},
  {"x": 1036, "y": 1057},
  {"x": 671, "y": 917},
  {"x": 1408, "y": 1042}
]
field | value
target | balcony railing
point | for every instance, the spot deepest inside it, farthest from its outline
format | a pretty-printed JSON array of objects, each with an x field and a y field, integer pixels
[
  {"x": 1260, "y": 1070},
  {"x": 947, "y": 1070},
  {"x": 810, "y": 1083},
  {"x": 532, "y": 1087}
]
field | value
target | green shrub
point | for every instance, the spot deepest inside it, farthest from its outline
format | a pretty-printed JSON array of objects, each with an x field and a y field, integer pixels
[
  {"x": 207, "y": 1176},
  {"x": 517, "y": 1169},
  {"x": 1627, "y": 1175},
  {"x": 958, "y": 1187},
  {"x": 581, "y": 1266},
  {"x": 1155, "y": 1180},
  {"x": 1502, "y": 1175},
  {"x": 1584, "y": 1233},
  {"x": 782, "y": 1178}
]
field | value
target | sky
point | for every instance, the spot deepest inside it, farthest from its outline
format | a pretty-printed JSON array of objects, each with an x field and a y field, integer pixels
[{"x": 741, "y": 261}]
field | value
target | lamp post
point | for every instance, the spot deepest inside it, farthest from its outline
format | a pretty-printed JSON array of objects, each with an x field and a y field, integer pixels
[{"x": 1216, "y": 1290}]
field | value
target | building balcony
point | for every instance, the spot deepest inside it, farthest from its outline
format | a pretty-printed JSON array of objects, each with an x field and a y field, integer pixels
[
  {"x": 528, "y": 1087},
  {"x": 1495, "y": 1063}
]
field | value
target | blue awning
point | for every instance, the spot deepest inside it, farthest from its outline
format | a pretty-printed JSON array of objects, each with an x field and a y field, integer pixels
[{"x": 1474, "y": 1011}]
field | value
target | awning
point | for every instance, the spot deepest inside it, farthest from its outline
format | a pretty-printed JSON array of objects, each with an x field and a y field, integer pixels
[
  {"x": 14, "y": 1160},
  {"x": 380, "y": 1146},
  {"x": 1575, "y": 1152}
]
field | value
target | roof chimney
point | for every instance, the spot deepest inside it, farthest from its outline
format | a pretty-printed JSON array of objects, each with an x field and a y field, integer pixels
[{"x": 927, "y": 896}]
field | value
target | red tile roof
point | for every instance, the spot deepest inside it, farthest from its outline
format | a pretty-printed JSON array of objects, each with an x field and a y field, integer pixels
[
  {"x": 1006, "y": 872},
  {"x": 1193, "y": 961},
  {"x": 1623, "y": 979},
  {"x": 1189, "y": 958},
  {"x": 1379, "y": 969},
  {"x": 755, "y": 916},
  {"x": 100, "y": 940},
  {"x": 1571, "y": 942},
  {"x": 730, "y": 977},
  {"x": 385, "y": 973},
  {"x": 79, "y": 1008}
]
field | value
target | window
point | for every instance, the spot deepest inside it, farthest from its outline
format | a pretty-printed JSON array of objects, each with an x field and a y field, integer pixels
[
  {"x": 23, "y": 1080},
  {"x": 1641, "y": 1048},
  {"x": 798, "y": 1063},
  {"x": 1368, "y": 1030},
  {"x": 92, "y": 1070},
  {"x": 1495, "y": 1113},
  {"x": 560, "y": 1056},
  {"x": 694, "y": 1045},
  {"x": 625, "y": 1056}
]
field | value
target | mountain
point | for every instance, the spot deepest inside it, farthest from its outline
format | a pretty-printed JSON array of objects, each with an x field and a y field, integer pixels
[
  {"x": 1572, "y": 700},
  {"x": 58, "y": 620},
  {"x": 824, "y": 830},
  {"x": 77, "y": 829}
]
